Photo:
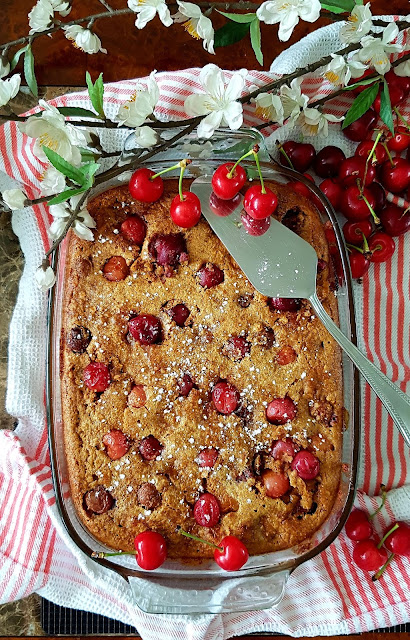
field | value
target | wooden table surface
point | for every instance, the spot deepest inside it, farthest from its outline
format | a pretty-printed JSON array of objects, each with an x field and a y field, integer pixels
[{"x": 59, "y": 64}]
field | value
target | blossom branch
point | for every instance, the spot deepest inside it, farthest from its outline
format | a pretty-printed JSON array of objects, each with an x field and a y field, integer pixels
[{"x": 70, "y": 221}]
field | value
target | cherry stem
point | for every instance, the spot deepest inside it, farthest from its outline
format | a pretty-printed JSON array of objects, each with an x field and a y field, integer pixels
[
  {"x": 183, "y": 165},
  {"x": 283, "y": 152},
  {"x": 375, "y": 217},
  {"x": 386, "y": 535},
  {"x": 380, "y": 572},
  {"x": 384, "y": 496},
  {"x": 246, "y": 155},
  {"x": 175, "y": 166},
  {"x": 353, "y": 247},
  {"x": 103, "y": 554},
  {"x": 365, "y": 243},
  {"x": 404, "y": 121},
  {"x": 258, "y": 166},
  {"x": 190, "y": 535},
  {"x": 379, "y": 135},
  {"x": 386, "y": 148}
]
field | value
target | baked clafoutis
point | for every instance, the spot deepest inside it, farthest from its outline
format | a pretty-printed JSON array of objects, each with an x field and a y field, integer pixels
[{"x": 189, "y": 399}]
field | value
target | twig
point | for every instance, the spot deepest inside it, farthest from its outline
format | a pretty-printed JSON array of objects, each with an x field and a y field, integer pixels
[
  {"x": 70, "y": 221},
  {"x": 106, "y": 5}
]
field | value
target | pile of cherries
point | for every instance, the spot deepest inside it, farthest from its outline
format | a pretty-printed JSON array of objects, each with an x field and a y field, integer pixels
[
  {"x": 357, "y": 186},
  {"x": 370, "y": 554}
]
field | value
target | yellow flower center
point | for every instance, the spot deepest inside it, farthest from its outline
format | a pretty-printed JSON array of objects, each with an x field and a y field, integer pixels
[
  {"x": 353, "y": 18},
  {"x": 264, "y": 113},
  {"x": 47, "y": 141},
  {"x": 332, "y": 77},
  {"x": 190, "y": 26}
]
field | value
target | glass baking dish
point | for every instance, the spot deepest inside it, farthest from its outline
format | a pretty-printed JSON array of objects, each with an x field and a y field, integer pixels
[{"x": 177, "y": 587}]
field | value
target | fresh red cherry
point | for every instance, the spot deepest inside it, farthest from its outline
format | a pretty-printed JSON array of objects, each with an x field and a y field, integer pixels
[
  {"x": 365, "y": 147},
  {"x": 396, "y": 96},
  {"x": 259, "y": 204},
  {"x": 353, "y": 169},
  {"x": 300, "y": 188},
  {"x": 225, "y": 397},
  {"x": 96, "y": 376},
  {"x": 281, "y": 410},
  {"x": 396, "y": 177},
  {"x": 395, "y": 221},
  {"x": 145, "y": 329},
  {"x": 179, "y": 313},
  {"x": 185, "y": 385},
  {"x": 362, "y": 87},
  {"x": 143, "y": 188},
  {"x": 332, "y": 190},
  {"x": 185, "y": 213},
  {"x": 353, "y": 205},
  {"x": 284, "y": 304},
  {"x": 134, "y": 229},
  {"x": 210, "y": 276},
  {"x": 368, "y": 557},
  {"x": 115, "y": 269},
  {"x": 357, "y": 131},
  {"x": 353, "y": 231},
  {"x": 300, "y": 154},
  {"x": 399, "y": 540},
  {"x": 150, "y": 448},
  {"x": 306, "y": 465},
  {"x": 288, "y": 148},
  {"x": 208, "y": 457},
  {"x": 286, "y": 355},
  {"x": 359, "y": 264},
  {"x": 327, "y": 162},
  {"x": 151, "y": 550},
  {"x": 233, "y": 555},
  {"x": 168, "y": 248},
  {"x": 379, "y": 196},
  {"x": 207, "y": 510},
  {"x": 399, "y": 81},
  {"x": 358, "y": 526},
  {"x": 116, "y": 444},
  {"x": 223, "y": 208},
  {"x": 400, "y": 141},
  {"x": 276, "y": 483},
  {"x": 225, "y": 185},
  {"x": 381, "y": 246},
  {"x": 255, "y": 227},
  {"x": 283, "y": 449}
]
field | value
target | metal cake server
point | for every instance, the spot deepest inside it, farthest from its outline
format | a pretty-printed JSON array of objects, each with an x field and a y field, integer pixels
[{"x": 281, "y": 264}]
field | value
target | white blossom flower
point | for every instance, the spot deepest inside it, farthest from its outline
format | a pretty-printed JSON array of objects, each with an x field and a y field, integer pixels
[
  {"x": 9, "y": 88},
  {"x": 146, "y": 137},
  {"x": 313, "y": 122},
  {"x": 41, "y": 16},
  {"x": 142, "y": 103},
  {"x": 14, "y": 198},
  {"x": 45, "y": 276},
  {"x": 62, "y": 6},
  {"x": 403, "y": 69},
  {"x": 358, "y": 24},
  {"x": 147, "y": 9},
  {"x": 51, "y": 130},
  {"x": 4, "y": 66},
  {"x": 339, "y": 70},
  {"x": 293, "y": 100},
  {"x": 219, "y": 102},
  {"x": 52, "y": 182},
  {"x": 83, "y": 39},
  {"x": 269, "y": 107},
  {"x": 194, "y": 150},
  {"x": 197, "y": 25},
  {"x": 82, "y": 225},
  {"x": 376, "y": 51},
  {"x": 287, "y": 13}
]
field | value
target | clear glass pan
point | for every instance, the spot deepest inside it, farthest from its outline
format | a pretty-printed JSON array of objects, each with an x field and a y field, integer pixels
[{"x": 177, "y": 587}]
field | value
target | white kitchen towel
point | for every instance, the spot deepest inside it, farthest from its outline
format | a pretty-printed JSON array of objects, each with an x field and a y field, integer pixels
[{"x": 328, "y": 595}]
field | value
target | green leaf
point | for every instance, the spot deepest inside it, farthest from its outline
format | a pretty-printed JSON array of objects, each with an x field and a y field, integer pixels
[
  {"x": 88, "y": 170},
  {"x": 87, "y": 155},
  {"x": 242, "y": 18},
  {"x": 338, "y": 6},
  {"x": 385, "y": 107},
  {"x": 230, "y": 33},
  {"x": 29, "y": 71},
  {"x": 78, "y": 111},
  {"x": 255, "y": 31},
  {"x": 361, "y": 83},
  {"x": 96, "y": 93},
  {"x": 65, "y": 195},
  {"x": 15, "y": 59},
  {"x": 74, "y": 173},
  {"x": 362, "y": 103}
]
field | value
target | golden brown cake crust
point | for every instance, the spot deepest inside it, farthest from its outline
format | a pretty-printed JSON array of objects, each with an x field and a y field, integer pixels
[{"x": 186, "y": 425}]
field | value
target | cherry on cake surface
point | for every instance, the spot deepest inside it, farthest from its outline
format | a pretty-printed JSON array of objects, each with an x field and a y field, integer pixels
[
  {"x": 207, "y": 510},
  {"x": 306, "y": 465},
  {"x": 116, "y": 269},
  {"x": 148, "y": 496},
  {"x": 179, "y": 313},
  {"x": 116, "y": 444},
  {"x": 236, "y": 348},
  {"x": 284, "y": 304},
  {"x": 168, "y": 249},
  {"x": 137, "y": 397},
  {"x": 281, "y": 410},
  {"x": 145, "y": 329},
  {"x": 225, "y": 397},
  {"x": 283, "y": 449},
  {"x": 78, "y": 339},
  {"x": 96, "y": 376},
  {"x": 209, "y": 275},
  {"x": 276, "y": 483},
  {"x": 207, "y": 457},
  {"x": 286, "y": 355},
  {"x": 185, "y": 385},
  {"x": 134, "y": 230},
  {"x": 98, "y": 500},
  {"x": 150, "y": 448}
]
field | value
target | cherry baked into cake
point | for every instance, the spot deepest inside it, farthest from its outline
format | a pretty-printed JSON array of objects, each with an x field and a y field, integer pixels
[{"x": 189, "y": 399}]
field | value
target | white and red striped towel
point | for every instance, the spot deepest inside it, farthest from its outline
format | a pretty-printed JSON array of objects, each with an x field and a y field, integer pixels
[{"x": 326, "y": 596}]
